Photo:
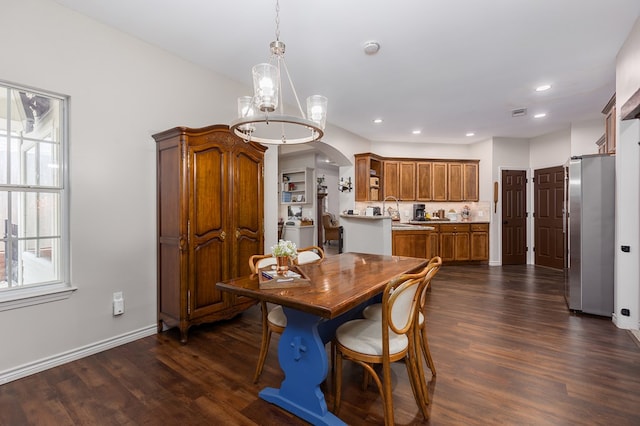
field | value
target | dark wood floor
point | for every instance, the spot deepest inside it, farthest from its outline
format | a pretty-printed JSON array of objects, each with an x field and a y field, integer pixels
[{"x": 506, "y": 348}]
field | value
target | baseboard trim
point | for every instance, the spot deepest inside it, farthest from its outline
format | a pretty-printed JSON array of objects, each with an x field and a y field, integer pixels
[{"x": 75, "y": 354}]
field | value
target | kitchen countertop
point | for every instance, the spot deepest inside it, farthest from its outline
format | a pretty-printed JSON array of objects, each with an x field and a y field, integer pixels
[
  {"x": 410, "y": 227},
  {"x": 411, "y": 222},
  {"x": 431, "y": 222},
  {"x": 361, "y": 216}
]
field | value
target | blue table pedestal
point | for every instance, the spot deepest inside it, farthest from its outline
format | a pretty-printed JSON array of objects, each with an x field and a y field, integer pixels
[{"x": 303, "y": 359}]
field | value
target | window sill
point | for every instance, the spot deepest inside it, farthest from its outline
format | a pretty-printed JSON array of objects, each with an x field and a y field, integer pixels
[{"x": 15, "y": 299}]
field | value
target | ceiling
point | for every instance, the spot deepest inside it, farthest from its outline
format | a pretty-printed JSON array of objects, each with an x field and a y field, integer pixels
[{"x": 445, "y": 67}]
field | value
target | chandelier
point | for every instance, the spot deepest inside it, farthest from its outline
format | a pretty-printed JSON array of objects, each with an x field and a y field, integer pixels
[{"x": 261, "y": 117}]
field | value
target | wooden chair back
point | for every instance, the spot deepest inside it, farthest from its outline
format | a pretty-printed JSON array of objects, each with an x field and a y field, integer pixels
[
  {"x": 258, "y": 261},
  {"x": 309, "y": 254}
]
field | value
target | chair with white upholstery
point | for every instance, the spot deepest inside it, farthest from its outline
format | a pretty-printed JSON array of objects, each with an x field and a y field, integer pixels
[
  {"x": 374, "y": 311},
  {"x": 274, "y": 320},
  {"x": 369, "y": 342}
]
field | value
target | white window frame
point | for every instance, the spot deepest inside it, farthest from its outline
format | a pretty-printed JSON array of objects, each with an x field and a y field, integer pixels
[{"x": 33, "y": 294}]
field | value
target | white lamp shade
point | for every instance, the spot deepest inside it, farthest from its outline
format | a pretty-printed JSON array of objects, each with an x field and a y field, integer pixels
[
  {"x": 266, "y": 80},
  {"x": 317, "y": 109},
  {"x": 246, "y": 109}
]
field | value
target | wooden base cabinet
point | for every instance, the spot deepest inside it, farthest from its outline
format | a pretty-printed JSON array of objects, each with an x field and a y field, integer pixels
[
  {"x": 479, "y": 241},
  {"x": 412, "y": 244},
  {"x": 210, "y": 221},
  {"x": 454, "y": 242}
]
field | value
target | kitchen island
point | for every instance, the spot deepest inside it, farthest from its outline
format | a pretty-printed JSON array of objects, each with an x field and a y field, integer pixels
[
  {"x": 454, "y": 241},
  {"x": 366, "y": 234}
]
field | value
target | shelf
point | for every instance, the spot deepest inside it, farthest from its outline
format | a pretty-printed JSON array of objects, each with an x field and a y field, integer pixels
[{"x": 296, "y": 186}]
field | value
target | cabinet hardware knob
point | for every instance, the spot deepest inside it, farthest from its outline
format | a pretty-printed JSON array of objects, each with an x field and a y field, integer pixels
[{"x": 223, "y": 235}]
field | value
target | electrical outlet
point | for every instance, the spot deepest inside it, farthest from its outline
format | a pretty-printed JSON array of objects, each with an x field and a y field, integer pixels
[{"x": 118, "y": 303}]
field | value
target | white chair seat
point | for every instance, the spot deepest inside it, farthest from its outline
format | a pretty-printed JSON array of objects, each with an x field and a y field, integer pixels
[
  {"x": 276, "y": 316},
  {"x": 365, "y": 336},
  {"x": 374, "y": 312}
]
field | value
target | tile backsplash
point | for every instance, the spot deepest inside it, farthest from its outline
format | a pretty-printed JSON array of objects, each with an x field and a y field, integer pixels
[{"x": 480, "y": 210}]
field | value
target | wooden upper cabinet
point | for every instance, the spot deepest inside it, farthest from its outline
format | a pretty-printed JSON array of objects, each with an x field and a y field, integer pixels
[
  {"x": 609, "y": 112},
  {"x": 361, "y": 180},
  {"x": 399, "y": 180},
  {"x": 391, "y": 179},
  {"x": 424, "y": 181},
  {"x": 455, "y": 179},
  {"x": 368, "y": 171},
  {"x": 463, "y": 181},
  {"x": 470, "y": 182},
  {"x": 440, "y": 182},
  {"x": 408, "y": 180},
  {"x": 415, "y": 180}
]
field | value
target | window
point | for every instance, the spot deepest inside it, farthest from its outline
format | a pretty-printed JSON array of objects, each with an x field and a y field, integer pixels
[{"x": 34, "y": 254}]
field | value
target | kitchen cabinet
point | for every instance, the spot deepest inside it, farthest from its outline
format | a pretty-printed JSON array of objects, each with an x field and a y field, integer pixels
[
  {"x": 410, "y": 243},
  {"x": 454, "y": 182},
  {"x": 479, "y": 240},
  {"x": 415, "y": 180},
  {"x": 454, "y": 242},
  {"x": 424, "y": 180},
  {"x": 296, "y": 186},
  {"x": 413, "y": 243},
  {"x": 462, "y": 179},
  {"x": 368, "y": 172},
  {"x": 209, "y": 190},
  {"x": 470, "y": 189},
  {"x": 399, "y": 180},
  {"x": 609, "y": 112},
  {"x": 440, "y": 190}
]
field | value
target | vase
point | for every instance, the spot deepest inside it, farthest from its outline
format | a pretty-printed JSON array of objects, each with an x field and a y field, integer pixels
[{"x": 282, "y": 264}]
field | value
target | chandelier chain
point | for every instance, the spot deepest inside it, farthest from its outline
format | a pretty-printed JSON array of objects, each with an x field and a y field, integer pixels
[{"x": 277, "y": 20}]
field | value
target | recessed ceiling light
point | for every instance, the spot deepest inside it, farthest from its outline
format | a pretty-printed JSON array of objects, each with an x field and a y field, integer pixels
[
  {"x": 470, "y": 134},
  {"x": 542, "y": 114},
  {"x": 417, "y": 132},
  {"x": 543, "y": 87},
  {"x": 371, "y": 47},
  {"x": 377, "y": 120}
]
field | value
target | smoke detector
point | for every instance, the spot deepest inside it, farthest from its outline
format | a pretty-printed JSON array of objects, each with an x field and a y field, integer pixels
[
  {"x": 520, "y": 112},
  {"x": 371, "y": 47}
]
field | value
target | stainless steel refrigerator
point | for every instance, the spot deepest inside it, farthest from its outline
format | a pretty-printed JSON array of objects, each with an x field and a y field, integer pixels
[{"x": 591, "y": 227}]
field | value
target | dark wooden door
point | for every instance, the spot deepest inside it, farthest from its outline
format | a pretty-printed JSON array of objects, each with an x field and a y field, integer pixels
[
  {"x": 514, "y": 217},
  {"x": 549, "y": 239}
]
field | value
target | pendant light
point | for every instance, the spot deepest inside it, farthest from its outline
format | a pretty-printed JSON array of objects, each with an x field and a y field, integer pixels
[{"x": 261, "y": 117}]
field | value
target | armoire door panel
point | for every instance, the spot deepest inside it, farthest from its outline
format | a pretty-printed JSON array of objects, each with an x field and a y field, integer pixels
[
  {"x": 209, "y": 195},
  {"x": 247, "y": 177}
]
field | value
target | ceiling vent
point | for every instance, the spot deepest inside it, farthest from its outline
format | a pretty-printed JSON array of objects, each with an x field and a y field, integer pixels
[{"x": 520, "y": 112}]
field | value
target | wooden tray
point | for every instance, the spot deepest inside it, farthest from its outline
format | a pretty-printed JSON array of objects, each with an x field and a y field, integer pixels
[{"x": 282, "y": 281}]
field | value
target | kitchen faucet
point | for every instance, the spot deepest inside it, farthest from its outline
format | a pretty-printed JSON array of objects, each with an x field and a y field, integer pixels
[{"x": 397, "y": 204}]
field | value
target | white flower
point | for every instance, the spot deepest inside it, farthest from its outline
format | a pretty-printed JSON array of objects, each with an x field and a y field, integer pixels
[{"x": 285, "y": 248}]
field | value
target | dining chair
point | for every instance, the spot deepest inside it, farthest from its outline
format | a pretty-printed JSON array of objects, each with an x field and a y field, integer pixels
[
  {"x": 274, "y": 320},
  {"x": 374, "y": 312},
  {"x": 370, "y": 342}
]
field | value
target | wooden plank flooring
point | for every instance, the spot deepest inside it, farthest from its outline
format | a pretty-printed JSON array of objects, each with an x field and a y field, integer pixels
[{"x": 507, "y": 352}]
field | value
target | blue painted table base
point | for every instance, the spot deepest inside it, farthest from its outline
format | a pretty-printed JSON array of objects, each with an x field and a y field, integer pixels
[{"x": 303, "y": 359}]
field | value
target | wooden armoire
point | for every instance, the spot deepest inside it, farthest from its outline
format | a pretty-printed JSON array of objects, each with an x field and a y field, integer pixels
[{"x": 210, "y": 221}]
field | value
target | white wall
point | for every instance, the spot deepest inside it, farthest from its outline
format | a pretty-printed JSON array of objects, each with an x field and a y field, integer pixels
[
  {"x": 508, "y": 154},
  {"x": 550, "y": 150},
  {"x": 584, "y": 136},
  {"x": 627, "y": 280},
  {"x": 121, "y": 92}
]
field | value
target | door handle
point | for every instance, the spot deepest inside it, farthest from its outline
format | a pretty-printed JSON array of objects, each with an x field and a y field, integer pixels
[{"x": 505, "y": 222}]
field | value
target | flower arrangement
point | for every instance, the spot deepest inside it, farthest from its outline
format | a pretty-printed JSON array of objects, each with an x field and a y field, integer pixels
[{"x": 285, "y": 249}]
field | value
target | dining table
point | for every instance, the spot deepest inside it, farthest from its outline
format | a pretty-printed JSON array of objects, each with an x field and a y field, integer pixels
[{"x": 334, "y": 290}]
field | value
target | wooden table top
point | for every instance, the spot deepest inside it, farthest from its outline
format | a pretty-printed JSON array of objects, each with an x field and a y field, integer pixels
[{"x": 338, "y": 283}]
